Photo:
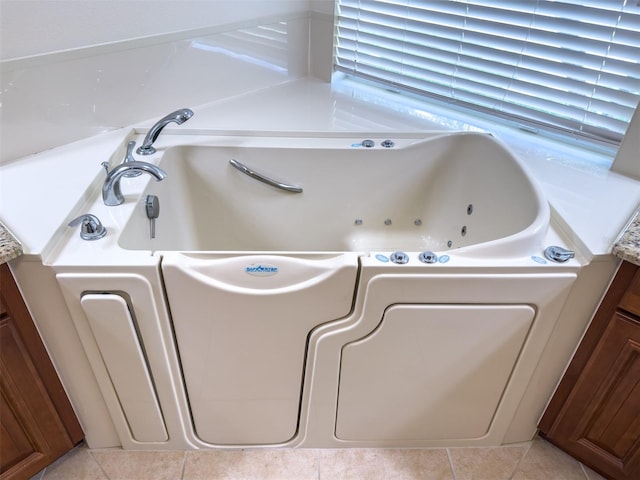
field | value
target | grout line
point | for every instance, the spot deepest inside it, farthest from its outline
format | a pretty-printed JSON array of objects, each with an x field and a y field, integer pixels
[
  {"x": 184, "y": 464},
  {"x": 517, "y": 467},
  {"x": 584, "y": 472},
  {"x": 453, "y": 470},
  {"x": 97, "y": 463},
  {"x": 583, "y": 467}
]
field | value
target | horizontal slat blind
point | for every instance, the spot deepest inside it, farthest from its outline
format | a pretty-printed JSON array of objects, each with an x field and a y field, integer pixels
[{"x": 570, "y": 65}]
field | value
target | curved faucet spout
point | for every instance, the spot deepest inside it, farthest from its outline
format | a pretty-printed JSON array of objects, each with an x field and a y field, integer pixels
[
  {"x": 111, "y": 193},
  {"x": 179, "y": 117}
]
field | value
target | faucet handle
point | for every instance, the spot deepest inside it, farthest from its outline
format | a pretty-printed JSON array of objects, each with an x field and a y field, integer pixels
[
  {"x": 91, "y": 227},
  {"x": 129, "y": 158}
]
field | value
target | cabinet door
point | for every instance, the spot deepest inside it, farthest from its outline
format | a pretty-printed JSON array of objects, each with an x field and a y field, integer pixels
[
  {"x": 602, "y": 417},
  {"x": 599, "y": 420},
  {"x": 38, "y": 424}
]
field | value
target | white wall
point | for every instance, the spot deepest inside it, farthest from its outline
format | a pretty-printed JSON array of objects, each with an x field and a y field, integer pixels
[
  {"x": 323, "y": 6},
  {"x": 627, "y": 161},
  {"x": 74, "y": 69},
  {"x": 34, "y": 27}
]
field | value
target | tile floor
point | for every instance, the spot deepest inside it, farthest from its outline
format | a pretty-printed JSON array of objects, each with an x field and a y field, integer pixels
[{"x": 533, "y": 460}]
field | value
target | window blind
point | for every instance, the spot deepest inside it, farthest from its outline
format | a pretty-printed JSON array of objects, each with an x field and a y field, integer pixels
[{"x": 573, "y": 66}]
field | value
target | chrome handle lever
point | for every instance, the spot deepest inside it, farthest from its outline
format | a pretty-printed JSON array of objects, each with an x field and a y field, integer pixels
[
  {"x": 558, "y": 254},
  {"x": 152, "y": 208},
  {"x": 91, "y": 227}
]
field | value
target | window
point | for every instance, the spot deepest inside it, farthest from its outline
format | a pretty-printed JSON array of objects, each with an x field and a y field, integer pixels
[{"x": 568, "y": 65}]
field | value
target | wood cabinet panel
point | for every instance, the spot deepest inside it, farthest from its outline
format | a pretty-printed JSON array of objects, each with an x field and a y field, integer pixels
[
  {"x": 22, "y": 396},
  {"x": 14, "y": 442},
  {"x": 631, "y": 300},
  {"x": 37, "y": 422},
  {"x": 595, "y": 413},
  {"x": 601, "y": 415}
]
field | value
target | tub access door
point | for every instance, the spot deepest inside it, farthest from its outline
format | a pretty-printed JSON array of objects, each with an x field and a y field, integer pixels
[{"x": 241, "y": 326}]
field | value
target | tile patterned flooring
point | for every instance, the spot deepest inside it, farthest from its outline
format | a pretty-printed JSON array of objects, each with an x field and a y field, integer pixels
[{"x": 534, "y": 460}]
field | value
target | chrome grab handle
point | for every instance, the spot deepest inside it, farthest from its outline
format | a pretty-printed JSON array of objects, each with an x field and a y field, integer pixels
[{"x": 274, "y": 183}]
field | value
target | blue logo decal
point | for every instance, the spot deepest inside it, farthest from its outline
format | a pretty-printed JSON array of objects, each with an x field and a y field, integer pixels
[
  {"x": 443, "y": 259},
  {"x": 382, "y": 258},
  {"x": 261, "y": 269},
  {"x": 537, "y": 259}
]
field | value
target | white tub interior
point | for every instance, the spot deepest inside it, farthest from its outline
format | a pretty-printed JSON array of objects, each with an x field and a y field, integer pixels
[{"x": 445, "y": 192}]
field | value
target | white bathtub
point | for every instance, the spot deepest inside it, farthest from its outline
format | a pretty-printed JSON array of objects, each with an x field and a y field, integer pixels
[
  {"x": 261, "y": 317},
  {"x": 447, "y": 192}
]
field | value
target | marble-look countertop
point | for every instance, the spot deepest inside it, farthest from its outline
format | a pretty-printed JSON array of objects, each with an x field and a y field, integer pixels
[
  {"x": 628, "y": 246},
  {"x": 10, "y": 248}
]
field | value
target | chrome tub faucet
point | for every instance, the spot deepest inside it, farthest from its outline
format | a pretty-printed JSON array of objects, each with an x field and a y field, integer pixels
[
  {"x": 111, "y": 193},
  {"x": 179, "y": 117},
  {"x": 129, "y": 158}
]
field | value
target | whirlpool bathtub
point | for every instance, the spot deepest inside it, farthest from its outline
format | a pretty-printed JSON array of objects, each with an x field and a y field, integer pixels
[
  {"x": 320, "y": 292},
  {"x": 451, "y": 191}
]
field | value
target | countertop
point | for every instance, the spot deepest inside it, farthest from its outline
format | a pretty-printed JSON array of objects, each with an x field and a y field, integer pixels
[
  {"x": 10, "y": 248},
  {"x": 628, "y": 246},
  {"x": 592, "y": 203}
]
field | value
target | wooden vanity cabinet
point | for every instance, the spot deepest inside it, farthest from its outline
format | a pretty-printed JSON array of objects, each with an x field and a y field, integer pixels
[
  {"x": 38, "y": 424},
  {"x": 595, "y": 413}
]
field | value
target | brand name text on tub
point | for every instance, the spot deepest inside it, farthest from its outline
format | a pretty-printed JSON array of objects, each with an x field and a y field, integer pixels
[{"x": 261, "y": 269}]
